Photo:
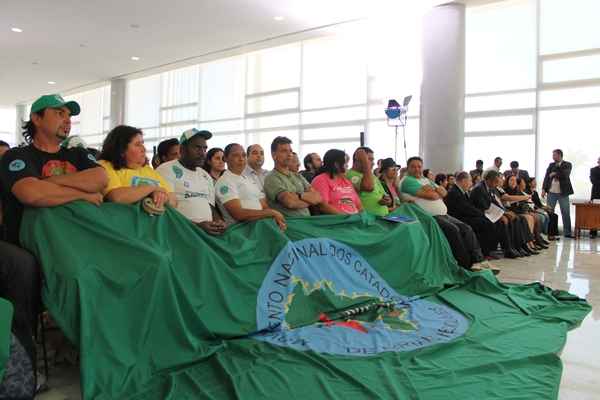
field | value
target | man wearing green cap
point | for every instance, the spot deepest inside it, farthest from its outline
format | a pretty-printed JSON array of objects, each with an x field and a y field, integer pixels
[
  {"x": 41, "y": 174},
  {"x": 193, "y": 186}
]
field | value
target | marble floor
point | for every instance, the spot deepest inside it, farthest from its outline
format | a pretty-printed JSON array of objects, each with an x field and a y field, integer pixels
[{"x": 572, "y": 265}]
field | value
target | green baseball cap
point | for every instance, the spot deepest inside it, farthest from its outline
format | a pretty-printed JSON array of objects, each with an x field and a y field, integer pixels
[
  {"x": 55, "y": 101},
  {"x": 190, "y": 133}
]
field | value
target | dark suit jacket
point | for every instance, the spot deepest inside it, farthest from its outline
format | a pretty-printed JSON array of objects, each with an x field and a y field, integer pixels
[
  {"x": 595, "y": 178},
  {"x": 460, "y": 206},
  {"x": 522, "y": 173},
  {"x": 482, "y": 198},
  {"x": 564, "y": 173}
]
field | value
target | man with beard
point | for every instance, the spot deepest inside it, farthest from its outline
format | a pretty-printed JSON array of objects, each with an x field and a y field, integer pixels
[
  {"x": 192, "y": 185},
  {"x": 39, "y": 175}
]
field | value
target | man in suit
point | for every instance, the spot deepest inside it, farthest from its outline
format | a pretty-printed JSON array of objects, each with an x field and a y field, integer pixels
[
  {"x": 482, "y": 197},
  {"x": 460, "y": 207},
  {"x": 557, "y": 184},
  {"x": 595, "y": 179},
  {"x": 515, "y": 171}
]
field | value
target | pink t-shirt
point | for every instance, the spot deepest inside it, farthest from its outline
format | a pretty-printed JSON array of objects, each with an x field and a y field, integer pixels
[{"x": 338, "y": 193}]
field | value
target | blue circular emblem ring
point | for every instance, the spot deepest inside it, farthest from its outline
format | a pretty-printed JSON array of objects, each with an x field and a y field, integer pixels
[
  {"x": 16, "y": 165},
  {"x": 321, "y": 295}
]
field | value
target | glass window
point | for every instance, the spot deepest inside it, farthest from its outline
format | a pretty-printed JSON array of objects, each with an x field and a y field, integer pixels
[
  {"x": 511, "y": 101},
  {"x": 321, "y": 148},
  {"x": 8, "y": 124},
  {"x": 509, "y": 123},
  {"x": 501, "y": 46},
  {"x": 222, "y": 89},
  {"x": 273, "y": 69},
  {"x": 336, "y": 115},
  {"x": 171, "y": 115},
  {"x": 583, "y": 95},
  {"x": 335, "y": 73},
  {"x": 571, "y": 69},
  {"x": 273, "y": 121},
  {"x": 91, "y": 119},
  {"x": 519, "y": 148},
  {"x": 273, "y": 102},
  {"x": 569, "y": 25},
  {"x": 335, "y": 133},
  {"x": 381, "y": 138},
  {"x": 143, "y": 102},
  {"x": 221, "y": 141},
  {"x": 575, "y": 132},
  {"x": 179, "y": 86}
]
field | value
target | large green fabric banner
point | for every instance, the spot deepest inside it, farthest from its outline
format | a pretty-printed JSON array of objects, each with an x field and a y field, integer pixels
[{"x": 336, "y": 307}]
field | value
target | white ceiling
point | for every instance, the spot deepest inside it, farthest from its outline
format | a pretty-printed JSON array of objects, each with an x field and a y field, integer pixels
[{"x": 81, "y": 42}]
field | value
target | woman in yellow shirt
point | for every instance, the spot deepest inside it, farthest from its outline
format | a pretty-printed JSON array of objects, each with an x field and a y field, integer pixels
[{"x": 130, "y": 178}]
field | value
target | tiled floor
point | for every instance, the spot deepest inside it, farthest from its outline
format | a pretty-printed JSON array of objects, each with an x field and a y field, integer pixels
[{"x": 572, "y": 265}]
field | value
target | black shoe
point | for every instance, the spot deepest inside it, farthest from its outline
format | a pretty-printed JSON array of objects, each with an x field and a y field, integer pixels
[
  {"x": 570, "y": 236},
  {"x": 511, "y": 254},
  {"x": 544, "y": 242},
  {"x": 533, "y": 251},
  {"x": 524, "y": 253}
]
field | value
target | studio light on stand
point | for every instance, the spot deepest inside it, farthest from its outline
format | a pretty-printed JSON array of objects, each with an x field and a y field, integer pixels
[{"x": 397, "y": 117}]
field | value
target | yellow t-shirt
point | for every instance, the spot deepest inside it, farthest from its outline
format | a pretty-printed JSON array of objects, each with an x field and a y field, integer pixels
[{"x": 127, "y": 177}]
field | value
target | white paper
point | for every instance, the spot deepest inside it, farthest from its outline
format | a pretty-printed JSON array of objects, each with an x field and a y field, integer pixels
[{"x": 494, "y": 213}]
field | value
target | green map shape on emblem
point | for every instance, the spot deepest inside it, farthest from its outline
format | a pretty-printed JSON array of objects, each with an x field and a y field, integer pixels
[{"x": 307, "y": 303}]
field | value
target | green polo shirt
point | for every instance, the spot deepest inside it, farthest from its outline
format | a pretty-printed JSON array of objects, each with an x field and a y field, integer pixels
[
  {"x": 277, "y": 183},
  {"x": 370, "y": 200}
]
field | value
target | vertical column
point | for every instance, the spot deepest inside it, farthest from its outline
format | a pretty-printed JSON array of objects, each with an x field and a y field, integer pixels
[
  {"x": 443, "y": 90},
  {"x": 20, "y": 119},
  {"x": 118, "y": 89}
]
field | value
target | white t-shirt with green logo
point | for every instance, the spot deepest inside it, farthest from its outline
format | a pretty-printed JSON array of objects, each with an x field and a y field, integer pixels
[
  {"x": 231, "y": 187},
  {"x": 194, "y": 190}
]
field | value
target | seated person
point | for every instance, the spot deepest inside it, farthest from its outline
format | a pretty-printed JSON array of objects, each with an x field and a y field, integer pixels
[
  {"x": 130, "y": 178},
  {"x": 389, "y": 181},
  {"x": 295, "y": 164},
  {"x": 239, "y": 197},
  {"x": 254, "y": 161},
  {"x": 368, "y": 186},
  {"x": 428, "y": 196},
  {"x": 337, "y": 192},
  {"x": 214, "y": 163},
  {"x": 550, "y": 226},
  {"x": 441, "y": 180},
  {"x": 460, "y": 207},
  {"x": 193, "y": 186},
  {"x": 482, "y": 196},
  {"x": 40, "y": 174},
  {"x": 168, "y": 150},
  {"x": 287, "y": 191},
  {"x": 312, "y": 165},
  {"x": 4, "y": 147},
  {"x": 517, "y": 201}
]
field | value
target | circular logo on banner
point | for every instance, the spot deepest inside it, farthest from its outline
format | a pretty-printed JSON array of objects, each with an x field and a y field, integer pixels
[
  {"x": 16, "y": 165},
  {"x": 321, "y": 295}
]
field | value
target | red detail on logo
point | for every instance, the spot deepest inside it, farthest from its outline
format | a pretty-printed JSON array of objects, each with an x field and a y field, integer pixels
[
  {"x": 57, "y": 167},
  {"x": 346, "y": 324}
]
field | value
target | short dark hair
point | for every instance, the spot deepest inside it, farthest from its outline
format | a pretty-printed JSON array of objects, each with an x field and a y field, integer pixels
[
  {"x": 331, "y": 160},
  {"x": 462, "y": 175},
  {"x": 491, "y": 175},
  {"x": 559, "y": 151},
  {"x": 366, "y": 149},
  {"x": 279, "y": 140},
  {"x": 514, "y": 164},
  {"x": 479, "y": 162},
  {"x": 439, "y": 178},
  {"x": 115, "y": 145},
  {"x": 415, "y": 158},
  {"x": 308, "y": 161},
  {"x": 229, "y": 148},
  {"x": 249, "y": 148},
  {"x": 498, "y": 158},
  {"x": 29, "y": 129},
  {"x": 211, "y": 153},
  {"x": 165, "y": 146},
  {"x": 3, "y": 143},
  {"x": 426, "y": 172}
]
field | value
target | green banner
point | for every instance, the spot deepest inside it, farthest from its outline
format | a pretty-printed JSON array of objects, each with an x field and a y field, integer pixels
[{"x": 336, "y": 307}]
